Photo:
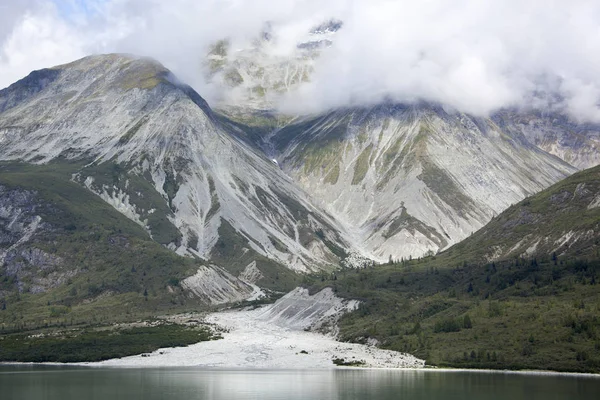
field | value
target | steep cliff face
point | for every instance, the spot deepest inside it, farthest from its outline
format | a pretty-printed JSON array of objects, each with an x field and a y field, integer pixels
[
  {"x": 25, "y": 265},
  {"x": 152, "y": 148},
  {"x": 408, "y": 180}
]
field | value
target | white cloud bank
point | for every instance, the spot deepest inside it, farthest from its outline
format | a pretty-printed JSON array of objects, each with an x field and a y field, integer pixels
[{"x": 476, "y": 56}]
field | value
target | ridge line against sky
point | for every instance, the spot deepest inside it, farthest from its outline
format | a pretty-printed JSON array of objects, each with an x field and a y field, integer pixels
[{"x": 474, "y": 56}]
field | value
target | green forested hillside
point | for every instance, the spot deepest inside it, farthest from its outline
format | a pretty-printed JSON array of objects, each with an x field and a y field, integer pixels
[
  {"x": 563, "y": 219},
  {"x": 463, "y": 308},
  {"x": 108, "y": 268}
]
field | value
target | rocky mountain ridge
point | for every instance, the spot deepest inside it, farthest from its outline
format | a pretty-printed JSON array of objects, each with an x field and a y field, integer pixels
[
  {"x": 256, "y": 76},
  {"x": 410, "y": 180},
  {"x": 152, "y": 148},
  {"x": 390, "y": 181}
]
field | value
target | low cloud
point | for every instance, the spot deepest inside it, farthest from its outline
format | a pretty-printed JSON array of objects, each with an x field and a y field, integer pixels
[{"x": 475, "y": 56}]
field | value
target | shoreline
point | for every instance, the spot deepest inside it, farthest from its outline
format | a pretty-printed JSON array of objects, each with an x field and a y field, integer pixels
[
  {"x": 95, "y": 365},
  {"x": 253, "y": 339},
  {"x": 281, "y": 337},
  {"x": 252, "y": 344}
]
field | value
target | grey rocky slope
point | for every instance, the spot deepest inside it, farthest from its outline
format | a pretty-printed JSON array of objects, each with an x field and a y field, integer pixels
[
  {"x": 152, "y": 148},
  {"x": 561, "y": 221},
  {"x": 408, "y": 180}
]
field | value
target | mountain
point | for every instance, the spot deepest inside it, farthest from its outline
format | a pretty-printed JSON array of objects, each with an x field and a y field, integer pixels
[
  {"x": 153, "y": 149},
  {"x": 408, "y": 180},
  {"x": 247, "y": 186},
  {"x": 254, "y": 76},
  {"x": 520, "y": 293},
  {"x": 403, "y": 180}
]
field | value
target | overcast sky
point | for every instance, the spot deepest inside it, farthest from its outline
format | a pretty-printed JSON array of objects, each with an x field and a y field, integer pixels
[{"x": 475, "y": 56}]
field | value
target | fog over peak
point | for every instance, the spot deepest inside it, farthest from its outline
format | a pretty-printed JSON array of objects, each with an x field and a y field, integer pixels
[{"x": 474, "y": 56}]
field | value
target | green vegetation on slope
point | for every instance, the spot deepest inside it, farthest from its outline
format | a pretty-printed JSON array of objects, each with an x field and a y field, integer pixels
[
  {"x": 333, "y": 175},
  {"x": 109, "y": 270},
  {"x": 151, "y": 206},
  {"x": 362, "y": 165},
  {"x": 144, "y": 75},
  {"x": 536, "y": 310},
  {"x": 324, "y": 147},
  {"x": 560, "y": 219},
  {"x": 250, "y": 126},
  {"x": 99, "y": 344},
  {"x": 127, "y": 136},
  {"x": 519, "y": 314},
  {"x": 234, "y": 252}
]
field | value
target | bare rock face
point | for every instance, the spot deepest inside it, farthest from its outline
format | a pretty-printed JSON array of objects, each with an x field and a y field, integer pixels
[
  {"x": 251, "y": 273},
  {"x": 576, "y": 143},
  {"x": 216, "y": 286},
  {"x": 298, "y": 310},
  {"x": 33, "y": 269},
  {"x": 18, "y": 221}
]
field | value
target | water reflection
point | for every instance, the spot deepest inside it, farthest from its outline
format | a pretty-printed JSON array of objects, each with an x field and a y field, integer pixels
[
  {"x": 253, "y": 384},
  {"x": 54, "y": 383},
  {"x": 430, "y": 384}
]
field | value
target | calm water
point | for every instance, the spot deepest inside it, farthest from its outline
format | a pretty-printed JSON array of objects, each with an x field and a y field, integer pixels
[{"x": 26, "y": 382}]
